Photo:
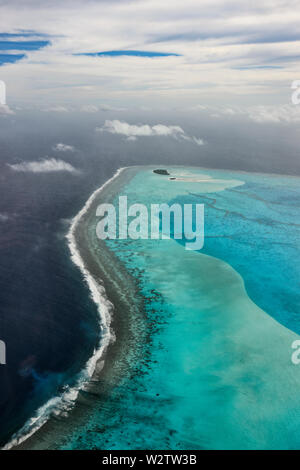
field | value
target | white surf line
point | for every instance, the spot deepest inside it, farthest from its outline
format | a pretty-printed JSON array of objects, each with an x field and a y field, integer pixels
[{"x": 65, "y": 402}]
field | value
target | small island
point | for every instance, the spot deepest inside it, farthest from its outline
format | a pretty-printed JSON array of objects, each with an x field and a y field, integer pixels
[{"x": 161, "y": 172}]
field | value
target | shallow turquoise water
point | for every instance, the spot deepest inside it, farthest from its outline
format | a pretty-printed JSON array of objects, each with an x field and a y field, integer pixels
[
  {"x": 220, "y": 374},
  {"x": 256, "y": 229}
]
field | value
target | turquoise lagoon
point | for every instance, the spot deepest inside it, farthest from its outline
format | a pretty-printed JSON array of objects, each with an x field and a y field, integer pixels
[{"x": 217, "y": 370}]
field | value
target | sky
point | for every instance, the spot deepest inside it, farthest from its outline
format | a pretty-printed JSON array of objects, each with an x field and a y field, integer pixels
[
  {"x": 135, "y": 53},
  {"x": 209, "y": 82}
]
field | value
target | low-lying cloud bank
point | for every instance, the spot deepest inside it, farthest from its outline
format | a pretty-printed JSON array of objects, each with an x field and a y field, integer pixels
[
  {"x": 260, "y": 114},
  {"x": 133, "y": 131},
  {"x": 44, "y": 166}
]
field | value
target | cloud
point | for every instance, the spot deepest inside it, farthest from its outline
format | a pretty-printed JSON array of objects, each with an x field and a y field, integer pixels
[
  {"x": 57, "y": 109},
  {"x": 198, "y": 141},
  {"x": 280, "y": 114},
  {"x": 3, "y": 217},
  {"x": 63, "y": 148},
  {"x": 44, "y": 166},
  {"x": 133, "y": 131},
  {"x": 4, "y": 109},
  {"x": 259, "y": 114},
  {"x": 89, "y": 108}
]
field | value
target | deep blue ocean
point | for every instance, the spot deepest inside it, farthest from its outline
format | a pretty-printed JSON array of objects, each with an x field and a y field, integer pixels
[{"x": 48, "y": 321}]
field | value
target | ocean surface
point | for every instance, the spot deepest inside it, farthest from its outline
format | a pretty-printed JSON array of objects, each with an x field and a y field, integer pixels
[
  {"x": 48, "y": 320},
  {"x": 203, "y": 359}
]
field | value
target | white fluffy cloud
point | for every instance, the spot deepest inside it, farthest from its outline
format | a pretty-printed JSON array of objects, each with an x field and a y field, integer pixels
[
  {"x": 133, "y": 131},
  {"x": 44, "y": 166},
  {"x": 63, "y": 148}
]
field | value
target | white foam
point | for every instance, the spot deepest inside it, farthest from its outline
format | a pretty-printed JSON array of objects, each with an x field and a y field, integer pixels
[{"x": 63, "y": 403}]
